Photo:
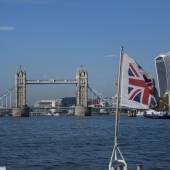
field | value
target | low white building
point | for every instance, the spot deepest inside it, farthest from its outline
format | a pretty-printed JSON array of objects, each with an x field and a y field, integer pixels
[{"x": 52, "y": 105}]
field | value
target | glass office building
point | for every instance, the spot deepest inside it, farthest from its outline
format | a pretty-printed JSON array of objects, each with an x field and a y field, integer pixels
[{"x": 162, "y": 63}]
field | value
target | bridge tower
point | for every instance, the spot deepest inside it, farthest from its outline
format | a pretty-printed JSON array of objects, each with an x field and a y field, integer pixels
[
  {"x": 20, "y": 85},
  {"x": 81, "y": 93}
]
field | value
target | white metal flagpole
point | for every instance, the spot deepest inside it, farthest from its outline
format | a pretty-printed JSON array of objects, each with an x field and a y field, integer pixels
[{"x": 116, "y": 151}]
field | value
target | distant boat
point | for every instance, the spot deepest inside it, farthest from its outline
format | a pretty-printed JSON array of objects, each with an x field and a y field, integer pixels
[
  {"x": 103, "y": 112},
  {"x": 139, "y": 113},
  {"x": 132, "y": 113},
  {"x": 56, "y": 114},
  {"x": 153, "y": 114},
  {"x": 51, "y": 114},
  {"x": 48, "y": 114},
  {"x": 135, "y": 113}
]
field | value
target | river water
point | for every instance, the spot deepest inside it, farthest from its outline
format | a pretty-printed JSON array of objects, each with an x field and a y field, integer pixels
[{"x": 73, "y": 143}]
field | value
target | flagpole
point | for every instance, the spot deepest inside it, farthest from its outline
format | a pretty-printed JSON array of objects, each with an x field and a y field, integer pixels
[
  {"x": 116, "y": 153},
  {"x": 118, "y": 98}
]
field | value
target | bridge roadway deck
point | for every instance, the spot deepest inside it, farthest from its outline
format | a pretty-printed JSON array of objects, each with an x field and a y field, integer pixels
[
  {"x": 69, "y": 107},
  {"x": 52, "y": 81}
]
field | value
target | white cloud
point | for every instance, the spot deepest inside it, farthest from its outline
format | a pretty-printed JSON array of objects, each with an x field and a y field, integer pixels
[
  {"x": 28, "y": 1},
  {"x": 7, "y": 28},
  {"x": 109, "y": 56},
  {"x": 35, "y": 1}
]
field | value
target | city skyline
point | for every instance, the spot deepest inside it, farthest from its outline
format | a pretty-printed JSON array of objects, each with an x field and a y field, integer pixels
[{"x": 51, "y": 39}]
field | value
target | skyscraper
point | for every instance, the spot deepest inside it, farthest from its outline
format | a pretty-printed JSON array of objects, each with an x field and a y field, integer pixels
[{"x": 162, "y": 63}]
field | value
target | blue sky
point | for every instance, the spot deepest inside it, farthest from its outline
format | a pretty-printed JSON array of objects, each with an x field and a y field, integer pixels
[{"x": 52, "y": 38}]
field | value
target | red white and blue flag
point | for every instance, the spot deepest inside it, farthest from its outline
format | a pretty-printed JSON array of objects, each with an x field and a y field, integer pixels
[{"x": 136, "y": 86}]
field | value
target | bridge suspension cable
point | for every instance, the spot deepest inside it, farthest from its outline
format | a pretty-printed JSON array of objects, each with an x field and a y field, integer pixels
[
  {"x": 99, "y": 96},
  {"x": 6, "y": 98}
]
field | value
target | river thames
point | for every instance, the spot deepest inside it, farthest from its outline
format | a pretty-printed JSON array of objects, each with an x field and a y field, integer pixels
[{"x": 82, "y": 143}]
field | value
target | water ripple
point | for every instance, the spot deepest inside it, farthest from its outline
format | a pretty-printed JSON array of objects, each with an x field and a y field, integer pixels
[{"x": 71, "y": 143}]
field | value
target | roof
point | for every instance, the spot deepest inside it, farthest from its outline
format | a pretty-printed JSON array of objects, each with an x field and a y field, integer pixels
[{"x": 163, "y": 55}]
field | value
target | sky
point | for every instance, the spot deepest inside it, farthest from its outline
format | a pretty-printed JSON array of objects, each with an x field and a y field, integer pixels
[{"x": 52, "y": 38}]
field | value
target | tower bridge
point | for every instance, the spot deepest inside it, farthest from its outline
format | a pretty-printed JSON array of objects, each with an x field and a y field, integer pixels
[
  {"x": 84, "y": 102},
  {"x": 81, "y": 82}
]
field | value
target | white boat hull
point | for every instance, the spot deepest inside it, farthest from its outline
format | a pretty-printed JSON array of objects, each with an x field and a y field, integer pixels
[{"x": 156, "y": 114}]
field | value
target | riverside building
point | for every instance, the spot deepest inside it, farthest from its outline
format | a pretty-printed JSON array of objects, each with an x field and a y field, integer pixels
[{"x": 162, "y": 63}]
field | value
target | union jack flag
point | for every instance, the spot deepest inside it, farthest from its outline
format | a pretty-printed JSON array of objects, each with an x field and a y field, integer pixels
[{"x": 140, "y": 87}]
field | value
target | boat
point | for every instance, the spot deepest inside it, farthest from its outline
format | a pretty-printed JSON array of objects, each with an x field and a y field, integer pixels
[
  {"x": 52, "y": 114},
  {"x": 153, "y": 114},
  {"x": 56, "y": 114},
  {"x": 140, "y": 113},
  {"x": 132, "y": 113},
  {"x": 135, "y": 113},
  {"x": 135, "y": 91},
  {"x": 48, "y": 114}
]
